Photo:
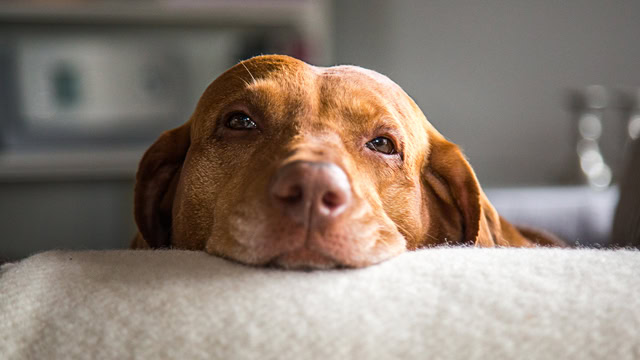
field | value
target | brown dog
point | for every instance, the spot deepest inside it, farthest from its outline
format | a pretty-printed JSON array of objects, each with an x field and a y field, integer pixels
[{"x": 301, "y": 166}]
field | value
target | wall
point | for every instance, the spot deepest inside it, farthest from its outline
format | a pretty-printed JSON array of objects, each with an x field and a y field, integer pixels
[
  {"x": 493, "y": 76},
  {"x": 39, "y": 216}
]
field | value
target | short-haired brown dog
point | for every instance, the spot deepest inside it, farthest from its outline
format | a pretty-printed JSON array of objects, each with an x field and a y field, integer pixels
[{"x": 288, "y": 164}]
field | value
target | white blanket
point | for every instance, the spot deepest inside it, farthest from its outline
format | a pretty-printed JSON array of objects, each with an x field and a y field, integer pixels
[{"x": 443, "y": 303}]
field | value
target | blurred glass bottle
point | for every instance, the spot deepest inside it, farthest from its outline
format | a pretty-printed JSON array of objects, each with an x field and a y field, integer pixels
[{"x": 590, "y": 124}]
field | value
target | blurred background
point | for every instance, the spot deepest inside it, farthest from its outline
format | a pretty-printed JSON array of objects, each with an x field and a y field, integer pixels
[{"x": 542, "y": 96}]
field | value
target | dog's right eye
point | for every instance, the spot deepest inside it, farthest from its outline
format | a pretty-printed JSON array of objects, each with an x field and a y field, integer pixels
[{"x": 240, "y": 121}]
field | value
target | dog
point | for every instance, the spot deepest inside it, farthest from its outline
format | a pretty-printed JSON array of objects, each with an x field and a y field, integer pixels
[{"x": 287, "y": 164}]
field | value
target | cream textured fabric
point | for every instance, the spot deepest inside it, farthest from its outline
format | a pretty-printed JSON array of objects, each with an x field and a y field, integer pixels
[{"x": 443, "y": 303}]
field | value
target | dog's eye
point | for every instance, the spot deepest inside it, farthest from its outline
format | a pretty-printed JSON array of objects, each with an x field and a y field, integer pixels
[
  {"x": 383, "y": 145},
  {"x": 240, "y": 121}
]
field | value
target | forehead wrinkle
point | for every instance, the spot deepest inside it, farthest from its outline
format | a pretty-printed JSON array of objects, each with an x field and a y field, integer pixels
[
  {"x": 277, "y": 96},
  {"x": 261, "y": 92}
]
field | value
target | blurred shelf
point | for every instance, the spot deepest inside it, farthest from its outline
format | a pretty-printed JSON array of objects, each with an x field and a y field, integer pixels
[
  {"x": 311, "y": 19},
  {"x": 252, "y": 12},
  {"x": 80, "y": 164}
]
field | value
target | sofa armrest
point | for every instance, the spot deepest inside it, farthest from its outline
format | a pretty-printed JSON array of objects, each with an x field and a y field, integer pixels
[{"x": 440, "y": 303}]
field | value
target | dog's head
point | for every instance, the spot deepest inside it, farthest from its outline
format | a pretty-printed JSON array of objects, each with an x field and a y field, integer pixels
[{"x": 300, "y": 166}]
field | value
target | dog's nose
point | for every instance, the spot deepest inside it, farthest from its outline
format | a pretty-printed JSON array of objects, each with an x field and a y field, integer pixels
[{"x": 315, "y": 191}]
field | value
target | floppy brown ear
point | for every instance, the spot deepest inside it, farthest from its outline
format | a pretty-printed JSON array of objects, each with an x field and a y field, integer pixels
[
  {"x": 156, "y": 182},
  {"x": 453, "y": 181}
]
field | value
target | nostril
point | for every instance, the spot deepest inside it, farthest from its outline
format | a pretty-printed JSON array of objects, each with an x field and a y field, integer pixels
[
  {"x": 332, "y": 200},
  {"x": 291, "y": 194},
  {"x": 288, "y": 196}
]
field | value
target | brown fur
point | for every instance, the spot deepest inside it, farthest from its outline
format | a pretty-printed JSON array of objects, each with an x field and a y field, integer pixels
[{"x": 204, "y": 187}]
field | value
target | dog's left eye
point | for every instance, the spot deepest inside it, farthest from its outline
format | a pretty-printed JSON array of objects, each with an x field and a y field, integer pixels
[
  {"x": 240, "y": 121},
  {"x": 383, "y": 145}
]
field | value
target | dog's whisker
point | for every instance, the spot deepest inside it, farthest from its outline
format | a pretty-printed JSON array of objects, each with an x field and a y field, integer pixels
[
  {"x": 246, "y": 68},
  {"x": 432, "y": 237},
  {"x": 402, "y": 229}
]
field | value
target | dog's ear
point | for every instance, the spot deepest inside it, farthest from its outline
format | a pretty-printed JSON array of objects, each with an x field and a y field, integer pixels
[
  {"x": 453, "y": 181},
  {"x": 156, "y": 182}
]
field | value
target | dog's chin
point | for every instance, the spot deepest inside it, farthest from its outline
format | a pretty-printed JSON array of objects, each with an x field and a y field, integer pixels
[
  {"x": 310, "y": 256},
  {"x": 299, "y": 258},
  {"x": 304, "y": 259}
]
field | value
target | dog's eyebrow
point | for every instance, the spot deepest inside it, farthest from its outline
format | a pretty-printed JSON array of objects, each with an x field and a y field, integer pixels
[
  {"x": 363, "y": 106},
  {"x": 267, "y": 96}
]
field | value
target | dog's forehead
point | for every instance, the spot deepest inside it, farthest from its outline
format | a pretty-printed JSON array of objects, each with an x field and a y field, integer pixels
[
  {"x": 335, "y": 91},
  {"x": 297, "y": 78},
  {"x": 354, "y": 89}
]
